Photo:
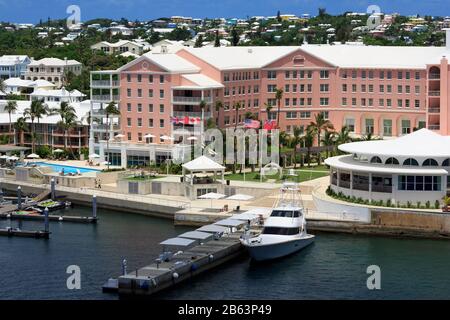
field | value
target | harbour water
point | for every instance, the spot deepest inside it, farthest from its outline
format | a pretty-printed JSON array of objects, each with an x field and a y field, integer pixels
[{"x": 334, "y": 267}]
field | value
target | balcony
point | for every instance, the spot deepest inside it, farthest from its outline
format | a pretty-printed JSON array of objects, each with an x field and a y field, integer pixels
[
  {"x": 434, "y": 127},
  {"x": 190, "y": 100},
  {"x": 183, "y": 114},
  {"x": 434, "y": 76},
  {"x": 434, "y": 110},
  {"x": 104, "y": 127},
  {"x": 105, "y": 83},
  {"x": 435, "y": 93},
  {"x": 105, "y": 98}
]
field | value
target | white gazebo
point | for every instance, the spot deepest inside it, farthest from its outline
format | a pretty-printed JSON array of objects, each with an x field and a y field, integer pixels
[{"x": 196, "y": 179}]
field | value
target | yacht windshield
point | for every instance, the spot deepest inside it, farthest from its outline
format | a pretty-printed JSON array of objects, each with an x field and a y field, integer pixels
[
  {"x": 281, "y": 231},
  {"x": 285, "y": 214}
]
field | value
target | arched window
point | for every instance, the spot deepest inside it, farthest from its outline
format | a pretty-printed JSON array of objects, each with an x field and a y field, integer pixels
[
  {"x": 376, "y": 160},
  {"x": 410, "y": 162},
  {"x": 392, "y": 161},
  {"x": 446, "y": 163},
  {"x": 430, "y": 163}
]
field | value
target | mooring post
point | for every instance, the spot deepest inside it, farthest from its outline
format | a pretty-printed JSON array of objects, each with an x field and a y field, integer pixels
[
  {"x": 1, "y": 195},
  {"x": 46, "y": 226},
  {"x": 94, "y": 206},
  {"x": 52, "y": 188},
  {"x": 19, "y": 197},
  {"x": 124, "y": 267}
]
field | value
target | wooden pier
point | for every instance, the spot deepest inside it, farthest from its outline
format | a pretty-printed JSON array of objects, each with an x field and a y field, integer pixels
[{"x": 182, "y": 266}]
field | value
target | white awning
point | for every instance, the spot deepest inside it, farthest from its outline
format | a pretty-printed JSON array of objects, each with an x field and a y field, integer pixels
[
  {"x": 213, "y": 228},
  {"x": 240, "y": 197},
  {"x": 203, "y": 163},
  {"x": 179, "y": 242},
  {"x": 196, "y": 235},
  {"x": 212, "y": 196},
  {"x": 230, "y": 223}
]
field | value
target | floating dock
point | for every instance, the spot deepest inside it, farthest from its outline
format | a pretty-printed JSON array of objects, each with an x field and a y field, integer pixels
[
  {"x": 11, "y": 232},
  {"x": 61, "y": 218}
]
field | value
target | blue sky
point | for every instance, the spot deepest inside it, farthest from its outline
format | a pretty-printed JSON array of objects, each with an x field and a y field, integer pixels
[{"x": 33, "y": 10}]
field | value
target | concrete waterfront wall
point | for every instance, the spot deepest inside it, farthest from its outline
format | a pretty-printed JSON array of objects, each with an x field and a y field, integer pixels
[{"x": 437, "y": 222}]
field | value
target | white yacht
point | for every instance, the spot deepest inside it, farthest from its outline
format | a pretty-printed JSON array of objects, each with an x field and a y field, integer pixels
[{"x": 284, "y": 230}]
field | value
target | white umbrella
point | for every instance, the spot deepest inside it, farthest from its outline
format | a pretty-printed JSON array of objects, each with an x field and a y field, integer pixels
[
  {"x": 149, "y": 136},
  {"x": 240, "y": 197},
  {"x": 33, "y": 156},
  {"x": 212, "y": 196},
  {"x": 105, "y": 163},
  {"x": 119, "y": 136},
  {"x": 166, "y": 138},
  {"x": 192, "y": 138},
  {"x": 58, "y": 151},
  {"x": 94, "y": 156},
  {"x": 13, "y": 158},
  {"x": 4, "y": 156}
]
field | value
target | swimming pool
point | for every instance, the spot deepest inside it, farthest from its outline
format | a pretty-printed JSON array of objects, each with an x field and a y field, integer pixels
[{"x": 67, "y": 169}]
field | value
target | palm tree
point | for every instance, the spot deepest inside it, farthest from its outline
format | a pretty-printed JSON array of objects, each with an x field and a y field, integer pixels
[
  {"x": 21, "y": 126},
  {"x": 68, "y": 119},
  {"x": 10, "y": 107},
  {"x": 318, "y": 125},
  {"x": 219, "y": 106},
  {"x": 2, "y": 85},
  {"x": 278, "y": 97},
  {"x": 110, "y": 109},
  {"x": 268, "y": 109},
  {"x": 36, "y": 110},
  {"x": 343, "y": 136},
  {"x": 329, "y": 139},
  {"x": 296, "y": 139},
  {"x": 309, "y": 141},
  {"x": 236, "y": 106}
]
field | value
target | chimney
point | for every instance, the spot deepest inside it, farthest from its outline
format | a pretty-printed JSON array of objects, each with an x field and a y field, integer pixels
[
  {"x": 163, "y": 49},
  {"x": 447, "y": 38}
]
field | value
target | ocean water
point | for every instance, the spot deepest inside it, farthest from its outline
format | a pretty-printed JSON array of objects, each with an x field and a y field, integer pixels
[{"x": 334, "y": 267}]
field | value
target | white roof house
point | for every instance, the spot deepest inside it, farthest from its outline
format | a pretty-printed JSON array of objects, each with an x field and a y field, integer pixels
[
  {"x": 54, "y": 62},
  {"x": 120, "y": 46},
  {"x": 57, "y": 95},
  {"x": 17, "y": 85}
]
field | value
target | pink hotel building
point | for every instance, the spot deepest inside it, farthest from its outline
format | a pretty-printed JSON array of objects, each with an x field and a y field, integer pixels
[{"x": 387, "y": 91}]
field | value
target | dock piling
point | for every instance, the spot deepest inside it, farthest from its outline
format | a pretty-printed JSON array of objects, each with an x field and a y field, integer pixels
[
  {"x": 19, "y": 198},
  {"x": 94, "y": 206},
  {"x": 52, "y": 188},
  {"x": 46, "y": 223},
  {"x": 124, "y": 267},
  {"x": 1, "y": 195}
]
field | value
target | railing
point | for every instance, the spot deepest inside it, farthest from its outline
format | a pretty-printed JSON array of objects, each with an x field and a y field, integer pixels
[
  {"x": 105, "y": 98},
  {"x": 435, "y": 93},
  {"x": 104, "y": 127},
  {"x": 434, "y": 127},
  {"x": 434, "y": 110},
  {"x": 177, "y": 99},
  {"x": 105, "y": 83},
  {"x": 434, "y": 76},
  {"x": 191, "y": 114}
]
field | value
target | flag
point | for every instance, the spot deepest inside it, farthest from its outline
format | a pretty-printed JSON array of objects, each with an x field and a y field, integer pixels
[
  {"x": 270, "y": 125},
  {"x": 251, "y": 124}
]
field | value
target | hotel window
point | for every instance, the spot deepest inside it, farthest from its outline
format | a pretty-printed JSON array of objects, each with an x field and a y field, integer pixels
[
  {"x": 389, "y": 88},
  {"x": 354, "y": 74},
  {"x": 161, "y": 108},
  {"x": 310, "y": 74},
  {"x": 256, "y": 75},
  {"x": 226, "y": 92},
  {"x": 389, "y": 75},
  {"x": 128, "y": 77},
  {"x": 389, "y": 102},
  {"x": 139, "y": 77},
  {"x": 417, "y": 89},
  {"x": 399, "y": 75},
  {"x": 302, "y": 88},
  {"x": 406, "y": 126},
  {"x": 140, "y": 136},
  {"x": 256, "y": 103},
  {"x": 286, "y": 102},
  {"x": 226, "y": 77},
  {"x": 344, "y": 101},
  {"x": 370, "y": 104},
  {"x": 363, "y": 102},
  {"x": 161, "y": 78},
  {"x": 139, "y": 122},
  {"x": 150, "y": 93},
  {"x": 417, "y": 103},
  {"x": 324, "y": 74},
  {"x": 161, "y": 94},
  {"x": 309, "y": 101},
  {"x": 129, "y": 135},
  {"x": 387, "y": 127},
  {"x": 422, "y": 124},
  {"x": 407, "y": 103},
  {"x": 294, "y": 74},
  {"x": 129, "y": 107},
  {"x": 129, "y": 122},
  {"x": 344, "y": 87},
  {"x": 381, "y": 102},
  {"x": 417, "y": 75},
  {"x": 354, "y": 102},
  {"x": 419, "y": 183},
  {"x": 324, "y": 101},
  {"x": 302, "y": 74},
  {"x": 354, "y": 88},
  {"x": 344, "y": 74},
  {"x": 305, "y": 115},
  {"x": 294, "y": 101},
  {"x": 287, "y": 74},
  {"x": 294, "y": 88},
  {"x": 271, "y": 74},
  {"x": 350, "y": 124},
  {"x": 399, "y": 103},
  {"x": 407, "y": 75},
  {"x": 139, "y": 93},
  {"x": 363, "y": 88},
  {"x": 371, "y": 88},
  {"x": 271, "y": 88},
  {"x": 286, "y": 88},
  {"x": 381, "y": 88},
  {"x": 381, "y": 74},
  {"x": 226, "y": 120},
  {"x": 363, "y": 74},
  {"x": 302, "y": 101},
  {"x": 150, "y": 78},
  {"x": 139, "y": 107},
  {"x": 399, "y": 89},
  {"x": 326, "y": 115},
  {"x": 408, "y": 89},
  {"x": 324, "y": 87},
  {"x": 370, "y": 74},
  {"x": 129, "y": 93},
  {"x": 150, "y": 123},
  {"x": 291, "y": 115},
  {"x": 309, "y": 87},
  {"x": 150, "y": 107},
  {"x": 256, "y": 88},
  {"x": 161, "y": 123}
]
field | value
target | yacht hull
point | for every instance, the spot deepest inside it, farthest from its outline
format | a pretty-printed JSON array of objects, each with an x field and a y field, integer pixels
[{"x": 261, "y": 252}]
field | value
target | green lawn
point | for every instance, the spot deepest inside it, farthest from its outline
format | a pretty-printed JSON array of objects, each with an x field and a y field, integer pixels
[{"x": 301, "y": 176}]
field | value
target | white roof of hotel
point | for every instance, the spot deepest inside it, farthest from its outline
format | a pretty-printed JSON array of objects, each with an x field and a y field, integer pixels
[
  {"x": 226, "y": 58},
  {"x": 53, "y": 62},
  {"x": 167, "y": 61},
  {"x": 202, "y": 81},
  {"x": 351, "y": 56},
  {"x": 346, "y": 162},
  {"x": 202, "y": 163},
  {"x": 421, "y": 143}
]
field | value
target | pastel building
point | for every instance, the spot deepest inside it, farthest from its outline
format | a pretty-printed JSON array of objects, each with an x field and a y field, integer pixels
[
  {"x": 13, "y": 66},
  {"x": 52, "y": 69},
  {"x": 386, "y": 91}
]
